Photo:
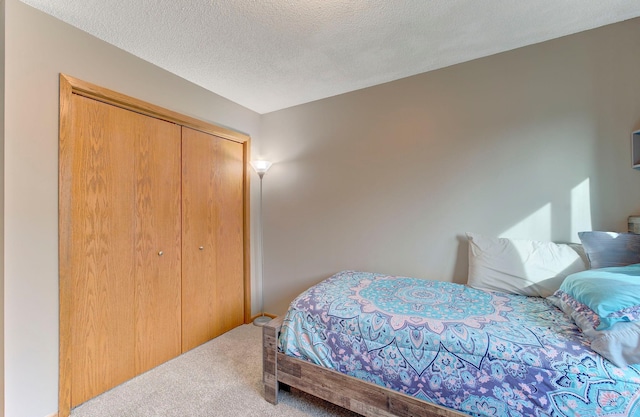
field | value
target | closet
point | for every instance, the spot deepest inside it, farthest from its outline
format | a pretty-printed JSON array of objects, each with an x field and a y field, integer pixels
[{"x": 153, "y": 237}]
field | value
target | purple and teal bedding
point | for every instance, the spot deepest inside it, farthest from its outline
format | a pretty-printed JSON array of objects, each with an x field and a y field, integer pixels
[{"x": 483, "y": 353}]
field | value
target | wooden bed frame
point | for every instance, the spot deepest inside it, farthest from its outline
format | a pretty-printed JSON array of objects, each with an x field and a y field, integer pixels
[{"x": 362, "y": 397}]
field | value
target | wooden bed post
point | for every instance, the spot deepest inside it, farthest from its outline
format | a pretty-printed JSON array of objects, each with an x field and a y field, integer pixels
[{"x": 270, "y": 333}]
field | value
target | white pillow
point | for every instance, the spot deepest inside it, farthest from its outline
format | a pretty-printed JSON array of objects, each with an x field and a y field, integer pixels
[
  {"x": 526, "y": 267},
  {"x": 620, "y": 343}
]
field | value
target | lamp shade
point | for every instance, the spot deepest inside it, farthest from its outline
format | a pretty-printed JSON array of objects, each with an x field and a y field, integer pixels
[{"x": 261, "y": 167}]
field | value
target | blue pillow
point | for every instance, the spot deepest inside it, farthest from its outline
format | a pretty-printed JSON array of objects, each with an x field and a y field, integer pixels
[{"x": 606, "y": 295}]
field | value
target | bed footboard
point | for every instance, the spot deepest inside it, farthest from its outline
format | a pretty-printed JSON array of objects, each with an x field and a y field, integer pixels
[{"x": 345, "y": 391}]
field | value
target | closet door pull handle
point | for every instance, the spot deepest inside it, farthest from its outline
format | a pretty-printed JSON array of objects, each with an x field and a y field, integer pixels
[
  {"x": 201, "y": 248},
  {"x": 160, "y": 253}
]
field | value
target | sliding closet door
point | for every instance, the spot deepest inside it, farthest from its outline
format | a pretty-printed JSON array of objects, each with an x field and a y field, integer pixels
[
  {"x": 121, "y": 244},
  {"x": 230, "y": 235},
  {"x": 102, "y": 247},
  {"x": 124, "y": 210},
  {"x": 212, "y": 239},
  {"x": 158, "y": 243}
]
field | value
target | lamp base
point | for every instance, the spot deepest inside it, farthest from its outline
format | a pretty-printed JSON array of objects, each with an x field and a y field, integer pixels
[{"x": 261, "y": 321}]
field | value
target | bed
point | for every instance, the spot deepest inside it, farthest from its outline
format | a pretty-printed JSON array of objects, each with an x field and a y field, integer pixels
[{"x": 384, "y": 345}]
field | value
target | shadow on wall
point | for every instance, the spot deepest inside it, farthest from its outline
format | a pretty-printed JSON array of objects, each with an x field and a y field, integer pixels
[
  {"x": 522, "y": 266},
  {"x": 539, "y": 225},
  {"x": 543, "y": 224}
]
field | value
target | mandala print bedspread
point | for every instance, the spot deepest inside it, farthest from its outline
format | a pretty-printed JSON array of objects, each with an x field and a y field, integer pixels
[{"x": 483, "y": 353}]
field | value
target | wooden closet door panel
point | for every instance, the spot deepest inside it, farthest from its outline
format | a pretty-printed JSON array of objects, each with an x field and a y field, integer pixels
[
  {"x": 229, "y": 234},
  {"x": 212, "y": 240},
  {"x": 157, "y": 243},
  {"x": 101, "y": 247},
  {"x": 198, "y": 219}
]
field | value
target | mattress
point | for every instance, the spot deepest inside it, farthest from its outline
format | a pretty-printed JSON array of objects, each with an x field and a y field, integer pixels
[{"x": 479, "y": 352}]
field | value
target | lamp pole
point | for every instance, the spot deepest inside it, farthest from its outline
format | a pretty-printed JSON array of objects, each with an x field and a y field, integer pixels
[{"x": 261, "y": 168}]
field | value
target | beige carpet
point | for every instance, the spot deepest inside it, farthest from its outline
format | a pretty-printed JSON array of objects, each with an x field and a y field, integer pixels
[{"x": 221, "y": 378}]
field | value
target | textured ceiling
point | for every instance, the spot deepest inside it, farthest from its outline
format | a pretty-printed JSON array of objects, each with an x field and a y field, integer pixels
[{"x": 271, "y": 54}]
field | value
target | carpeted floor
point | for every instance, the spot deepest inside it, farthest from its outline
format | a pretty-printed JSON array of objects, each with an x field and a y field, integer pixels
[{"x": 221, "y": 378}]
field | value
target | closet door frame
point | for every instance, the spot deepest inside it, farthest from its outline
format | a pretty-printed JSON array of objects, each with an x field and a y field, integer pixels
[{"x": 68, "y": 87}]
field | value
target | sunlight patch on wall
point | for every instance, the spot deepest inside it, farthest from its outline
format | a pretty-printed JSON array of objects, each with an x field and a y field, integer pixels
[
  {"x": 580, "y": 209},
  {"x": 536, "y": 226}
]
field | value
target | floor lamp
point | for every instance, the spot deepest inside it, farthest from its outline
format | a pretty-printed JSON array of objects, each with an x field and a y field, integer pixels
[{"x": 261, "y": 168}]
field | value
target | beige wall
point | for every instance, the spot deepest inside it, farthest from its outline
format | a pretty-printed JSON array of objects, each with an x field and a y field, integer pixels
[
  {"x": 38, "y": 48},
  {"x": 532, "y": 143},
  {"x": 2, "y": 99}
]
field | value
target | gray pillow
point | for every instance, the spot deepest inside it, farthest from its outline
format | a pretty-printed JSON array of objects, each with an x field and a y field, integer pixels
[{"x": 605, "y": 249}]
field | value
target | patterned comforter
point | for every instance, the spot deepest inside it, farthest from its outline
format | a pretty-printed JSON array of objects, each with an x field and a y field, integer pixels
[{"x": 483, "y": 353}]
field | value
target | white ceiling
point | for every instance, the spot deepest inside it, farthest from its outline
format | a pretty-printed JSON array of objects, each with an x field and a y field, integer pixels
[{"x": 271, "y": 54}]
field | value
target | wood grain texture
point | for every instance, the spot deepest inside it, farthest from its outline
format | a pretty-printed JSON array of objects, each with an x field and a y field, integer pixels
[
  {"x": 72, "y": 89},
  {"x": 101, "y": 247},
  {"x": 348, "y": 392},
  {"x": 229, "y": 234},
  {"x": 246, "y": 147},
  {"x": 157, "y": 229},
  {"x": 270, "y": 334},
  {"x": 65, "y": 158},
  {"x": 126, "y": 102},
  {"x": 212, "y": 237}
]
